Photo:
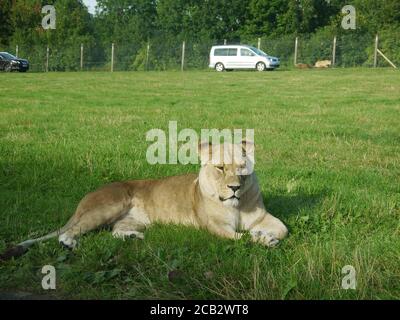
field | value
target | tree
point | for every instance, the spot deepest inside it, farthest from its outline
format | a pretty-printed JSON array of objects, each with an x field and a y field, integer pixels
[
  {"x": 131, "y": 24},
  {"x": 74, "y": 26},
  {"x": 6, "y": 29},
  {"x": 127, "y": 23}
]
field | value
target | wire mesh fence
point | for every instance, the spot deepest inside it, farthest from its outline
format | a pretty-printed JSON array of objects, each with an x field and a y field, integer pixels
[{"x": 350, "y": 50}]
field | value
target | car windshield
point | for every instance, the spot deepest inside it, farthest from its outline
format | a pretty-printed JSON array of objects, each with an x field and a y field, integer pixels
[
  {"x": 7, "y": 55},
  {"x": 259, "y": 52}
]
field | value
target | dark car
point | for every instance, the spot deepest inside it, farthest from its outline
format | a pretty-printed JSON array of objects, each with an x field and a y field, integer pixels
[{"x": 10, "y": 63}]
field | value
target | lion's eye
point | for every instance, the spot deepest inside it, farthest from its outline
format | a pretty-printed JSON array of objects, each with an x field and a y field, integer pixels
[{"x": 220, "y": 168}]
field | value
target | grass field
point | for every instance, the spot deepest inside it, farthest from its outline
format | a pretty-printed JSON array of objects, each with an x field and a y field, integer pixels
[{"x": 327, "y": 157}]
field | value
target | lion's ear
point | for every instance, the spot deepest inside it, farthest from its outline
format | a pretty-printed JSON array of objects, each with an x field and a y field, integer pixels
[
  {"x": 205, "y": 152},
  {"x": 248, "y": 147}
]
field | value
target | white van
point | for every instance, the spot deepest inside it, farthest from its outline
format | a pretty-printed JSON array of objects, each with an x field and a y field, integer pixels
[{"x": 228, "y": 57}]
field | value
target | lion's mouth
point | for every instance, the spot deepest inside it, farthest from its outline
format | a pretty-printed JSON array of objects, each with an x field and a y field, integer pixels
[{"x": 224, "y": 199}]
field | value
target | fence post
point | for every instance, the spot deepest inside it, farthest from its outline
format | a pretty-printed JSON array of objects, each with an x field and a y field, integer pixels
[
  {"x": 334, "y": 51},
  {"x": 376, "y": 51},
  {"x": 259, "y": 43},
  {"x": 224, "y": 42},
  {"x": 81, "y": 56},
  {"x": 112, "y": 57},
  {"x": 147, "y": 56},
  {"x": 387, "y": 59},
  {"x": 16, "y": 51},
  {"x": 47, "y": 58},
  {"x": 295, "y": 50},
  {"x": 183, "y": 56}
]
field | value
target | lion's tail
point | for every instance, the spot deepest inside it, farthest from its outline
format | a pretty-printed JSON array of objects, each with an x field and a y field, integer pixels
[{"x": 19, "y": 249}]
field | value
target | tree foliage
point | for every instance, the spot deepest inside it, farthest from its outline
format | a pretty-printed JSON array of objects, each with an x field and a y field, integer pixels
[{"x": 132, "y": 24}]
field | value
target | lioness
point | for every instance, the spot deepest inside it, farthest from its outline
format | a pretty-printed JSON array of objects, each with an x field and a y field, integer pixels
[
  {"x": 303, "y": 66},
  {"x": 224, "y": 198},
  {"x": 323, "y": 64}
]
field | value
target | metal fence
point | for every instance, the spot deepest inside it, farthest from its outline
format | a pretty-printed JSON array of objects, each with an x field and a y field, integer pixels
[{"x": 158, "y": 54}]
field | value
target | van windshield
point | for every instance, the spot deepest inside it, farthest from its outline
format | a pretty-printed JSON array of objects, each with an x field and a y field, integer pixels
[{"x": 259, "y": 52}]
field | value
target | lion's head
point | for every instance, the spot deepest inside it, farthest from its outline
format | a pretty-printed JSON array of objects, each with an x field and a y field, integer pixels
[{"x": 227, "y": 171}]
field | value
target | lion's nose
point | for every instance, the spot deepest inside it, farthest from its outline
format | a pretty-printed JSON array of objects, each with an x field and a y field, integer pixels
[{"x": 234, "y": 188}]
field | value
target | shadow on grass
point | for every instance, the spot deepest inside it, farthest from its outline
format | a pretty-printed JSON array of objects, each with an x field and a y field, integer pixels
[{"x": 284, "y": 206}]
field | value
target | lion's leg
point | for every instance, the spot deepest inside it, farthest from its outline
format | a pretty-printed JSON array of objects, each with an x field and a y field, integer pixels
[
  {"x": 224, "y": 231},
  {"x": 97, "y": 209},
  {"x": 131, "y": 225},
  {"x": 88, "y": 222},
  {"x": 269, "y": 231}
]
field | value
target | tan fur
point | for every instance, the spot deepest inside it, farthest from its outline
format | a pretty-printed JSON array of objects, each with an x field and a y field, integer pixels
[
  {"x": 303, "y": 66},
  {"x": 323, "y": 64},
  {"x": 199, "y": 200}
]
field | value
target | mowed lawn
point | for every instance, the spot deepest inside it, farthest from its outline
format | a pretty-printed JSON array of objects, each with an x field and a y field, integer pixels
[{"x": 327, "y": 158}]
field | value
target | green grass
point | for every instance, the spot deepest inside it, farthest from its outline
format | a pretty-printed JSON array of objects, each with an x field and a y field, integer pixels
[{"x": 327, "y": 155}]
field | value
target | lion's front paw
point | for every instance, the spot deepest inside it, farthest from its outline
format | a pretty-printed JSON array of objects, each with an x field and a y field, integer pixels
[
  {"x": 264, "y": 237},
  {"x": 123, "y": 234}
]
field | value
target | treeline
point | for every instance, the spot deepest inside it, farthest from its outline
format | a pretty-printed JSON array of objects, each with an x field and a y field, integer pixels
[{"x": 133, "y": 25}]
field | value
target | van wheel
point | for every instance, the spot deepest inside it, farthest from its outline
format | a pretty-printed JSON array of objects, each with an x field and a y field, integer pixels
[
  {"x": 219, "y": 67},
  {"x": 260, "y": 66}
]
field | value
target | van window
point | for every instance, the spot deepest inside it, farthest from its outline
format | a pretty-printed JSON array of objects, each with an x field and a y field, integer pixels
[
  {"x": 220, "y": 52},
  {"x": 225, "y": 52},
  {"x": 232, "y": 52},
  {"x": 246, "y": 53}
]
